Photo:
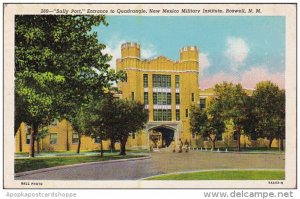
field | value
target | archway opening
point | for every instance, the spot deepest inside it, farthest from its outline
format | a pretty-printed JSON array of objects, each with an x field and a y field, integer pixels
[{"x": 161, "y": 137}]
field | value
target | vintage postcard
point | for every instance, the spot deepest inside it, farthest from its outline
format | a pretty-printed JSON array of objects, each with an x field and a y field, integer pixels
[{"x": 150, "y": 96}]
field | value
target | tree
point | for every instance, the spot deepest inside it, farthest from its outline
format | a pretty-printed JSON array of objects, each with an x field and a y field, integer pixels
[
  {"x": 42, "y": 133},
  {"x": 59, "y": 67},
  {"x": 79, "y": 124},
  {"x": 270, "y": 111},
  {"x": 120, "y": 118},
  {"x": 207, "y": 124},
  {"x": 231, "y": 103}
]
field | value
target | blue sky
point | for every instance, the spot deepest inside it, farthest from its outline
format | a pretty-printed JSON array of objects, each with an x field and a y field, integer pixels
[{"x": 239, "y": 49}]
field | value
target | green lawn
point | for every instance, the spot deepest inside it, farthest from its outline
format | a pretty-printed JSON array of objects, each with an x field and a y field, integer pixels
[
  {"x": 29, "y": 164},
  {"x": 225, "y": 175}
]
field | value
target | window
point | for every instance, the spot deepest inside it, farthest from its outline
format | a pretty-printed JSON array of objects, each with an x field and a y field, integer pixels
[
  {"x": 132, "y": 95},
  {"x": 133, "y": 136},
  {"x": 53, "y": 138},
  {"x": 145, "y": 80},
  {"x": 125, "y": 77},
  {"x": 193, "y": 97},
  {"x": 177, "y": 96},
  {"x": 202, "y": 103},
  {"x": 27, "y": 138},
  {"x": 75, "y": 138},
  {"x": 186, "y": 113},
  {"x": 154, "y": 98},
  {"x": 162, "y": 115},
  {"x": 146, "y": 98},
  {"x": 169, "y": 99},
  {"x": 177, "y": 114},
  {"x": 177, "y": 81},
  {"x": 161, "y": 81},
  {"x": 162, "y": 98},
  {"x": 97, "y": 140}
]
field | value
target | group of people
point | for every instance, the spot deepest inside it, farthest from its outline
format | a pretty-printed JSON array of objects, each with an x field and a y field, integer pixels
[{"x": 181, "y": 146}]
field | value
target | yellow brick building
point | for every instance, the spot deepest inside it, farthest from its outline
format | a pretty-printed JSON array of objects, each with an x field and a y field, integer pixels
[{"x": 167, "y": 88}]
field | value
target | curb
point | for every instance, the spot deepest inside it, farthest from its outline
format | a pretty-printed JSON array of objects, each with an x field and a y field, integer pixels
[{"x": 77, "y": 165}]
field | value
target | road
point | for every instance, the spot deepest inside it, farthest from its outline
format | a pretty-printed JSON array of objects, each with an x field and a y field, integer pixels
[
  {"x": 159, "y": 163},
  {"x": 116, "y": 170}
]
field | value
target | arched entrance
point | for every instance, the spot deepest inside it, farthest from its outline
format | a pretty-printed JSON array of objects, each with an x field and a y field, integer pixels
[{"x": 161, "y": 136}]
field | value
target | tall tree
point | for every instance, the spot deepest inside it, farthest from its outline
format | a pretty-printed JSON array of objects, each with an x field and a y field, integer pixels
[
  {"x": 206, "y": 123},
  {"x": 121, "y": 117},
  {"x": 231, "y": 103},
  {"x": 270, "y": 111},
  {"x": 59, "y": 66}
]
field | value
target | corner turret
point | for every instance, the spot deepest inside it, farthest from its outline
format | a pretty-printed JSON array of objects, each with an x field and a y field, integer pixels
[
  {"x": 189, "y": 53},
  {"x": 130, "y": 50}
]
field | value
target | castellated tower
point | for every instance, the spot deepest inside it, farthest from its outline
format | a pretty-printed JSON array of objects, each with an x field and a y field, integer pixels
[
  {"x": 129, "y": 62},
  {"x": 130, "y": 50},
  {"x": 167, "y": 88},
  {"x": 189, "y": 57}
]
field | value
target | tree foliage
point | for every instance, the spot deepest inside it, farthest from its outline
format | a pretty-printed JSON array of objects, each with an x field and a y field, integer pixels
[
  {"x": 270, "y": 111},
  {"x": 231, "y": 103},
  {"x": 59, "y": 66},
  {"x": 206, "y": 123},
  {"x": 121, "y": 117}
]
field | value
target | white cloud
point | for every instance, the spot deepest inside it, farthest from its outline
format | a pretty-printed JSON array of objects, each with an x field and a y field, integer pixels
[
  {"x": 204, "y": 62},
  {"x": 113, "y": 48},
  {"x": 248, "y": 79},
  {"x": 236, "y": 52},
  {"x": 147, "y": 51},
  {"x": 256, "y": 74}
]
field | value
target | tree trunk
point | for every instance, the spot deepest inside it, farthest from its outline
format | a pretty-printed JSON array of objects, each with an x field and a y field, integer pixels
[
  {"x": 38, "y": 145},
  {"x": 68, "y": 148},
  {"x": 101, "y": 148},
  {"x": 112, "y": 145},
  {"x": 32, "y": 139},
  {"x": 270, "y": 142},
  {"x": 20, "y": 144},
  {"x": 280, "y": 144},
  {"x": 79, "y": 143},
  {"x": 238, "y": 141},
  {"x": 123, "y": 146}
]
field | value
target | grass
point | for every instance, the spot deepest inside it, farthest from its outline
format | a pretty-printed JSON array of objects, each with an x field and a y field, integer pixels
[
  {"x": 82, "y": 152},
  {"x": 29, "y": 164},
  {"x": 225, "y": 175}
]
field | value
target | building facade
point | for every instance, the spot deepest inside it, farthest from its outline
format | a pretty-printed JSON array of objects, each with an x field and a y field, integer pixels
[{"x": 167, "y": 88}]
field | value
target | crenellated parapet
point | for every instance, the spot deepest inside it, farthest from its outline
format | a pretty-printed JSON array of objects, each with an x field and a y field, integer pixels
[
  {"x": 130, "y": 50},
  {"x": 189, "y": 53}
]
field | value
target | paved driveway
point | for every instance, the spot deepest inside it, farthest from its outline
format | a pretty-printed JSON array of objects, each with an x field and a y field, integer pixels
[
  {"x": 168, "y": 162},
  {"x": 114, "y": 170},
  {"x": 161, "y": 162}
]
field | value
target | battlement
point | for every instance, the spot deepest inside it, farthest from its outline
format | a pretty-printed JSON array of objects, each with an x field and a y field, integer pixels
[
  {"x": 130, "y": 45},
  {"x": 189, "y": 48},
  {"x": 130, "y": 50},
  {"x": 189, "y": 53}
]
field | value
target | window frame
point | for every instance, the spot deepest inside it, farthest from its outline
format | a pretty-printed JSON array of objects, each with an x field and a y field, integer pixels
[{"x": 51, "y": 137}]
